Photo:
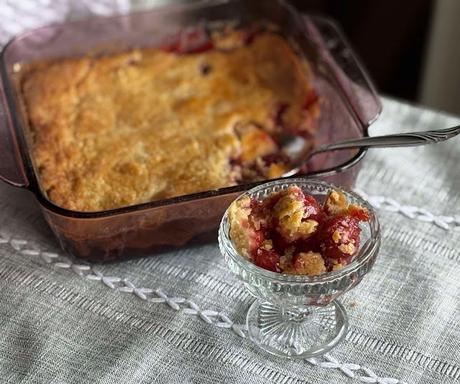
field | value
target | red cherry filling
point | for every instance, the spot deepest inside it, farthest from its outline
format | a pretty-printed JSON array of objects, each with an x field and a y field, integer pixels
[
  {"x": 267, "y": 259},
  {"x": 311, "y": 99},
  {"x": 360, "y": 213},
  {"x": 250, "y": 34},
  {"x": 280, "y": 111},
  {"x": 313, "y": 210},
  {"x": 339, "y": 237},
  {"x": 183, "y": 49},
  {"x": 206, "y": 46},
  {"x": 257, "y": 238},
  {"x": 274, "y": 158},
  {"x": 280, "y": 243},
  {"x": 267, "y": 204}
]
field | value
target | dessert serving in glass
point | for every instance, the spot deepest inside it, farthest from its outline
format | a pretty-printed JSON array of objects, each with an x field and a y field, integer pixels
[{"x": 317, "y": 242}]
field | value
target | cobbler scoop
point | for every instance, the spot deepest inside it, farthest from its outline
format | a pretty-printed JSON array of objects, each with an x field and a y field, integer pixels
[
  {"x": 297, "y": 246},
  {"x": 292, "y": 233}
]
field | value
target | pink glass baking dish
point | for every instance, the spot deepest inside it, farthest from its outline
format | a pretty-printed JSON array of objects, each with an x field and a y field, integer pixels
[{"x": 349, "y": 105}]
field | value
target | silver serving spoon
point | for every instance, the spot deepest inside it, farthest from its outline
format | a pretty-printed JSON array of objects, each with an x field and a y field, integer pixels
[{"x": 299, "y": 151}]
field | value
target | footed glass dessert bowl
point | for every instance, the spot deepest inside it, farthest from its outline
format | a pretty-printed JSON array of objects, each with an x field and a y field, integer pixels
[{"x": 298, "y": 315}]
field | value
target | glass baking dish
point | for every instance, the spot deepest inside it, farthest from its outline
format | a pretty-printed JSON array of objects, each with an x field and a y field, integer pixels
[{"x": 349, "y": 105}]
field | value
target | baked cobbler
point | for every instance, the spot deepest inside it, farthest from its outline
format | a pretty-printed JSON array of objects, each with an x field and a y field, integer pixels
[
  {"x": 149, "y": 124},
  {"x": 292, "y": 233}
]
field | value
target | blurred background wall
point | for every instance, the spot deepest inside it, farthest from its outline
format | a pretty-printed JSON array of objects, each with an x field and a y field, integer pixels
[
  {"x": 389, "y": 35},
  {"x": 440, "y": 84},
  {"x": 410, "y": 47}
]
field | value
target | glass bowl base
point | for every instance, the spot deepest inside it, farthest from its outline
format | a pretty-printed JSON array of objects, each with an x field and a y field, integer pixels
[{"x": 296, "y": 334}]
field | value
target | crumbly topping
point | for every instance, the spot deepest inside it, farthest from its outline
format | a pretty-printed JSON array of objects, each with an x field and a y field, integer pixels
[
  {"x": 308, "y": 263},
  {"x": 337, "y": 266},
  {"x": 240, "y": 234},
  {"x": 151, "y": 124},
  {"x": 348, "y": 248},
  {"x": 267, "y": 245},
  {"x": 255, "y": 143},
  {"x": 336, "y": 237},
  {"x": 336, "y": 203},
  {"x": 290, "y": 213},
  {"x": 277, "y": 170}
]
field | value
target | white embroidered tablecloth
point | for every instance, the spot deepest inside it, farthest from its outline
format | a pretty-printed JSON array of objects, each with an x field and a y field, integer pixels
[{"x": 177, "y": 317}]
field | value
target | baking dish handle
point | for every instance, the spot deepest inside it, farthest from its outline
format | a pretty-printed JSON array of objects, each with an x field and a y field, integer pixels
[
  {"x": 11, "y": 165},
  {"x": 346, "y": 68}
]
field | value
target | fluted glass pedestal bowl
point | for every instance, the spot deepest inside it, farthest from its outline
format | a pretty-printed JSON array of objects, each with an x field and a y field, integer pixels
[{"x": 299, "y": 316}]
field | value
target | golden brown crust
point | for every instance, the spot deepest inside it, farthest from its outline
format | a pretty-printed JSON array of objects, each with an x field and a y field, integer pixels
[
  {"x": 150, "y": 124},
  {"x": 289, "y": 211},
  {"x": 240, "y": 230},
  {"x": 307, "y": 263}
]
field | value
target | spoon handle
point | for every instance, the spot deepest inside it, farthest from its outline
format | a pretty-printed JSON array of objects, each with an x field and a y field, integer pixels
[{"x": 399, "y": 140}]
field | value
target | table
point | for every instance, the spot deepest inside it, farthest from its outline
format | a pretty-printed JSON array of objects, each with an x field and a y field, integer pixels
[{"x": 178, "y": 317}]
